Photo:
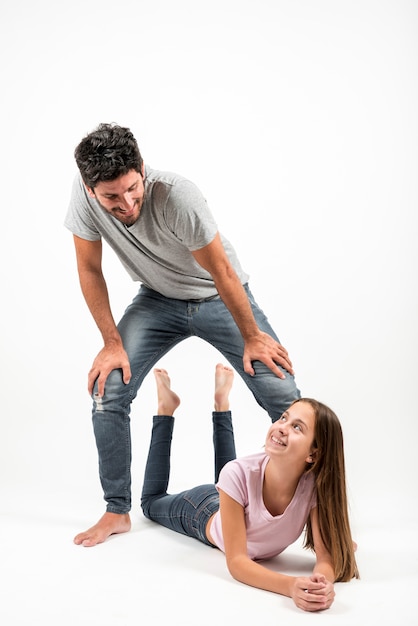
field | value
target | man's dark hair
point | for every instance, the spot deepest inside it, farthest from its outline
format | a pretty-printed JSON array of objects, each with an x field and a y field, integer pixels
[{"x": 106, "y": 153}]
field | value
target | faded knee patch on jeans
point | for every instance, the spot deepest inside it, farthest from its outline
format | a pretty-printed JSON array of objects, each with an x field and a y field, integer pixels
[{"x": 98, "y": 400}]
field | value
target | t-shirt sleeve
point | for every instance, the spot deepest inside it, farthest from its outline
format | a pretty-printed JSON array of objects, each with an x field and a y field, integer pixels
[
  {"x": 78, "y": 219},
  {"x": 232, "y": 482},
  {"x": 188, "y": 216}
]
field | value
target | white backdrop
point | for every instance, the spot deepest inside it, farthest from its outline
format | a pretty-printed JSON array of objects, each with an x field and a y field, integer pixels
[{"x": 298, "y": 121}]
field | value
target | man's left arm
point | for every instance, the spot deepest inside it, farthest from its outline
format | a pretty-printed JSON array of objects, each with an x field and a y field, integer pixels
[{"x": 259, "y": 346}]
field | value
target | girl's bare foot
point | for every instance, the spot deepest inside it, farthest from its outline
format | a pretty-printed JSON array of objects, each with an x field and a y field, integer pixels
[
  {"x": 224, "y": 377},
  {"x": 168, "y": 401},
  {"x": 108, "y": 524}
]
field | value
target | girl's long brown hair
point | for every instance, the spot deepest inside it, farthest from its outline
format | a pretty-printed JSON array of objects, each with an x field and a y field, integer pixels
[{"x": 328, "y": 468}]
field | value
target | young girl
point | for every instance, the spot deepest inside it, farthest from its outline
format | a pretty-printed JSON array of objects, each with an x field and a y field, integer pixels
[{"x": 261, "y": 503}]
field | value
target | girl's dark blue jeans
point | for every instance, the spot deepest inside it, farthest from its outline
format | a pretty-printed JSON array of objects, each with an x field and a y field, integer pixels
[{"x": 187, "y": 512}]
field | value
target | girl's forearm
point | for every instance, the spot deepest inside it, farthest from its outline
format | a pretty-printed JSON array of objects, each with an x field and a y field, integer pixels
[
  {"x": 251, "y": 573},
  {"x": 325, "y": 568}
]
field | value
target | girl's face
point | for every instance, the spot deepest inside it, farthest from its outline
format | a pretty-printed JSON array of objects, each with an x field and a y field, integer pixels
[{"x": 291, "y": 437}]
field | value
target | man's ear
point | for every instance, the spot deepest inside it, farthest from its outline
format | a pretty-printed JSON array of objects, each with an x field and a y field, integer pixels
[{"x": 90, "y": 191}]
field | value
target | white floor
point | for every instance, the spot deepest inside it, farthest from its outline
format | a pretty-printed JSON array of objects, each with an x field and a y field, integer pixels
[{"x": 152, "y": 575}]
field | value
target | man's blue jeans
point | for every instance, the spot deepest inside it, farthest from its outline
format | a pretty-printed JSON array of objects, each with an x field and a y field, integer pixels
[
  {"x": 150, "y": 327},
  {"x": 187, "y": 512}
]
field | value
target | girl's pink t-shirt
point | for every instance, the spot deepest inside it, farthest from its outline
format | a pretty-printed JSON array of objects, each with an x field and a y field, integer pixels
[{"x": 267, "y": 535}]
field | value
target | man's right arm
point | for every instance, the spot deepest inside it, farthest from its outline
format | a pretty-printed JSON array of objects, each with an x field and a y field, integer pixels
[{"x": 94, "y": 289}]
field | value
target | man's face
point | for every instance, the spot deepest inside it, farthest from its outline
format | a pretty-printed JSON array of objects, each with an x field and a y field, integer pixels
[{"x": 122, "y": 197}]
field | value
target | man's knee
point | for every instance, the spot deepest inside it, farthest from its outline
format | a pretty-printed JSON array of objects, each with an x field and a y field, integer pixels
[{"x": 272, "y": 393}]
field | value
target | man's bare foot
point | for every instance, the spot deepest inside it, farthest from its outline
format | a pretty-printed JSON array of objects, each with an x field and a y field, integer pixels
[
  {"x": 168, "y": 401},
  {"x": 224, "y": 377},
  {"x": 108, "y": 524}
]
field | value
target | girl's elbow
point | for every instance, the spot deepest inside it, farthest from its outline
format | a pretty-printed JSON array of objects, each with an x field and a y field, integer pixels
[{"x": 235, "y": 567}]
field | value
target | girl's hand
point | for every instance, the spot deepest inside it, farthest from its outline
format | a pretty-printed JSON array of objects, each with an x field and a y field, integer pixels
[{"x": 315, "y": 593}]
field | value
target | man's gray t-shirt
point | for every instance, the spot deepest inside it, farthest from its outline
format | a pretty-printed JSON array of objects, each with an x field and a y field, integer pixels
[{"x": 174, "y": 221}]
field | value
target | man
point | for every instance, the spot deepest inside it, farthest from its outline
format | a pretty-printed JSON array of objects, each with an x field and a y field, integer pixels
[{"x": 192, "y": 284}]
